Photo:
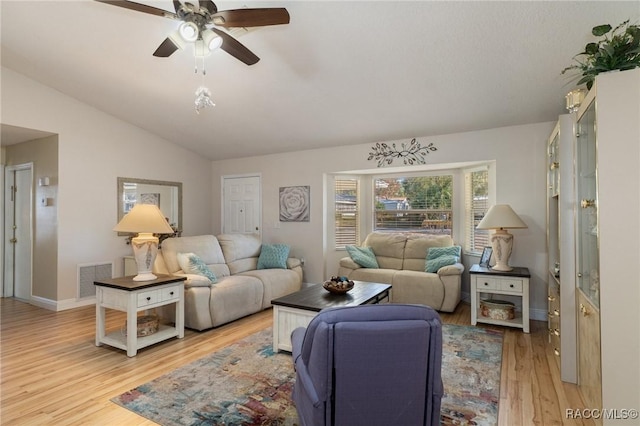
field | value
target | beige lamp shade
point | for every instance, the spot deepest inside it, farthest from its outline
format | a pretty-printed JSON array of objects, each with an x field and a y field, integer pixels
[
  {"x": 144, "y": 218},
  {"x": 501, "y": 216}
]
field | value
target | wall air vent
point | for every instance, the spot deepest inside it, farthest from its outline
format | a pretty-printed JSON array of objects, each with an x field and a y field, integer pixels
[{"x": 88, "y": 273}]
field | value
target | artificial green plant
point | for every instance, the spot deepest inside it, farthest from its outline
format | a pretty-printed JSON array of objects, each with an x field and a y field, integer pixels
[{"x": 618, "y": 49}]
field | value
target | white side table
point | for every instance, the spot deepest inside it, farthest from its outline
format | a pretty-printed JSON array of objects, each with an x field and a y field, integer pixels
[
  {"x": 512, "y": 283},
  {"x": 124, "y": 294}
]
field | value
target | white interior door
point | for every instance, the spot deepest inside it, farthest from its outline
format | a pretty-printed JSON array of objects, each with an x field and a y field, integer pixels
[
  {"x": 18, "y": 231},
  {"x": 241, "y": 205}
]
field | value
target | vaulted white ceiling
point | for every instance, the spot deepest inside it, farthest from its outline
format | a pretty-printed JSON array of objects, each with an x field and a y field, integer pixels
[{"x": 342, "y": 72}]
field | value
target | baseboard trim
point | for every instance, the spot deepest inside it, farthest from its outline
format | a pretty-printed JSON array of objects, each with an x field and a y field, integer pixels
[{"x": 61, "y": 305}]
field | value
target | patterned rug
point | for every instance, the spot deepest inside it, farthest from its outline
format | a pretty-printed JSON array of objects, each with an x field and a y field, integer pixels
[{"x": 247, "y": 384}]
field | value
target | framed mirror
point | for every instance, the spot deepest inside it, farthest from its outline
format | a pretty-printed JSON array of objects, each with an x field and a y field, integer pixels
[{"x": 166, "y": 195}]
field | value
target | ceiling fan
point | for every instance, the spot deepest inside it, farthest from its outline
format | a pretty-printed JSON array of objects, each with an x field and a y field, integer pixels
[{"x": 200, "y": 22}]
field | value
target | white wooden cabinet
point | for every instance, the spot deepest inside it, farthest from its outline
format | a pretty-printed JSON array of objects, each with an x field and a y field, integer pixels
[
  {"x": 513, "y": 283},
  {"x": 124, "y": 294},
  {"x": 561, "y": 247},
  {"x": 604, "y": 216}
]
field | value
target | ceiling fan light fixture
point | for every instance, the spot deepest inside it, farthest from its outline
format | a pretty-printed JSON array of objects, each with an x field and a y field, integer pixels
[
  {"x": 200, "y": 49},
  {"x": 177, "y": 39},
  {"x": 211, "y": 40},
  {"x": 188, "y": 31}
]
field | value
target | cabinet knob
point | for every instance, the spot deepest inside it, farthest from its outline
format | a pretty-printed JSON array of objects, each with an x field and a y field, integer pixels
[
  {"x": 171, "y": 294},
  {"x": 556, "y": 351},
  {"x": 585, "y": 204},
  {"x": 511, "y": 285},
  {"x": 486, "y": 283},
  {"x": 148, "y": 298},
  {"x": 551, "y": 298},
  {"x": 585, "y": 312}
]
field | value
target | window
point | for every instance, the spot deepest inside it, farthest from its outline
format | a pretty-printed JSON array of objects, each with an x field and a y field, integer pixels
[
  {"x": 414, "y": 204},
  {"x": 476, "y": 189},
  {"x": 346, "y": 212}
]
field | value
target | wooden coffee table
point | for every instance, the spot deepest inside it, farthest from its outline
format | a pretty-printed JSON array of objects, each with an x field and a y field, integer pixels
[{"x": 298, "y": 309}]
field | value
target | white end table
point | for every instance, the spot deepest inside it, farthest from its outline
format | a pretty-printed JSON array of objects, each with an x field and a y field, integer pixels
[
  {"x": 512, "y": 283},
  {"x": 124, "y": 294}
]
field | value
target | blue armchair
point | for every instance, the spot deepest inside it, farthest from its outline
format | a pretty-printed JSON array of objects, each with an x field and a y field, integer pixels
[{"x": 369, "y": 365}]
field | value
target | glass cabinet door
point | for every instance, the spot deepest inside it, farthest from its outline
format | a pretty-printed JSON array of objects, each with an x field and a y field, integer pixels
[
  {"x": 553, "y": 172},
  {"x": 587, "y": 266}
]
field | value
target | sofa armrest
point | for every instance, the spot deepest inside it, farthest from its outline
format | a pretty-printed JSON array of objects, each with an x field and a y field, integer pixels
[
  {"x": 347, "y": 262},
  {"x": 194, "y": 280},
  {"x": 293, "y": 262},
  {"x": 455, "y": 269}
]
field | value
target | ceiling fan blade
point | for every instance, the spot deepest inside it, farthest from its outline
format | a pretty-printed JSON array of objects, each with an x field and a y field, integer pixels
[
  {"x": 176, "y": 5},
  {"x": 140, "y": 8},
  {"x": 251, "y": 17},
  {"x": 209, "y": 5},
  {"x": 166, "y": 48},
  {"x": 234, "y": 48}
]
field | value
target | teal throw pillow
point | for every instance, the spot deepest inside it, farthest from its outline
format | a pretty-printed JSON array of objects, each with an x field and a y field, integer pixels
[
  {"x": 435, "y": 252},
  {"x": 432, "y": 265},
  {"x": 192, "y": 264},
  {"x": 273, "y": 256},
  {"x": 363, "y": 256}
]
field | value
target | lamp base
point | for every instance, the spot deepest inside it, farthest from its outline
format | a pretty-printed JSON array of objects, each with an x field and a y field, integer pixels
[
  {"x": 502, "y": 243},
  {"x": 145, "y": 250},
  {"x": 145, "y": 277}
]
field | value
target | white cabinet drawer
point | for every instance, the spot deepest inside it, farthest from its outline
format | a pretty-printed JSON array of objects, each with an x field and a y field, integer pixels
[
  {"x": 148, "y": 298},
  {"x": 511, "y": 285},
  {"x": 170, "y": 293},
  {"x": 484, "y": 283}
]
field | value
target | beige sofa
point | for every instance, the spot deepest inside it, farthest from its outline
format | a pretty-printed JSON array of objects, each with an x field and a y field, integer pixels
[
  {"x": 401, "y": 259},
  {"x": 241, "y": 290}
]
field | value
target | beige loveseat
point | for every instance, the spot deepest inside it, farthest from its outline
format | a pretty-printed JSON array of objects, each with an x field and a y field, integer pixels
[
  {"x": 241, "y": 289},
  {"x": 401, "y": 259}
]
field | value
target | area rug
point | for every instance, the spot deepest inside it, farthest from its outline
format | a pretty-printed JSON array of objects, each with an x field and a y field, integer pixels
[{"x": 247, "y": 384}]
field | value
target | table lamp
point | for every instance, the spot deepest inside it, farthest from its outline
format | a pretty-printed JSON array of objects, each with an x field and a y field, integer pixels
[
  {"x": 501, "y": 217},
  {"x": 144, "y": 219}
]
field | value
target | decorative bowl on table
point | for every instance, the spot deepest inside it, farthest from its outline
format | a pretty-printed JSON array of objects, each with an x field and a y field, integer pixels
[{"x": 338, "y": 285}]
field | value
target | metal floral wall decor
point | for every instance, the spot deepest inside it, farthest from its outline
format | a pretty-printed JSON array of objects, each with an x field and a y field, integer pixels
[
  {"x": 294, "y": 204},
  {"x": 411, "y": 153}
]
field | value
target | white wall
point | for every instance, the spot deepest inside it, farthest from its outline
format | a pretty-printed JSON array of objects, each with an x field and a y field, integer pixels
[
  {"x": 519, "y": 153},
  {"x": 94, "y": 149}
]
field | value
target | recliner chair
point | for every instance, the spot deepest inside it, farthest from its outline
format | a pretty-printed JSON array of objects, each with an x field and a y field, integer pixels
[{"x": 369, "y": 365}]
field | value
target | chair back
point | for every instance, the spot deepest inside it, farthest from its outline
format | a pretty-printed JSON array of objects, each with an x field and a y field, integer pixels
[{"x": 369, "y": 365}]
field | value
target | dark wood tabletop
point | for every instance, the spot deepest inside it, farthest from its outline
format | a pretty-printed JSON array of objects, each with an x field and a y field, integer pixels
[
  {"x": 518, "y": 271},
  {"x": 127, "y": 283},
  {"x": 316, "y": 298}
]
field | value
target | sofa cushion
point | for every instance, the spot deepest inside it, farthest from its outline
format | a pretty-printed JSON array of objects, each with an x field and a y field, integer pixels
[
  {"x": 388, "y": 247},
  {"x": 363, "y": 256},
  {"x": 273, "y": 256},
  {"x": 435, "y": 252},
  {"x": 206, "y": 247},
  {"x": 433, "y": 265},
  {"x": 417, "y": 247},
  {"x": 240, "y": 251},
  {"x": 192, "y": 264}
]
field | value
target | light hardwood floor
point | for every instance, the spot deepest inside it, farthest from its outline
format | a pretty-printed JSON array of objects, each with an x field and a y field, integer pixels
[{"x": 52, "y": 372}]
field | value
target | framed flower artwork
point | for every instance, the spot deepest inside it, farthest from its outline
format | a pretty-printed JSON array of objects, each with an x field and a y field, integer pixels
[{"x": 294, "y": 204}]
